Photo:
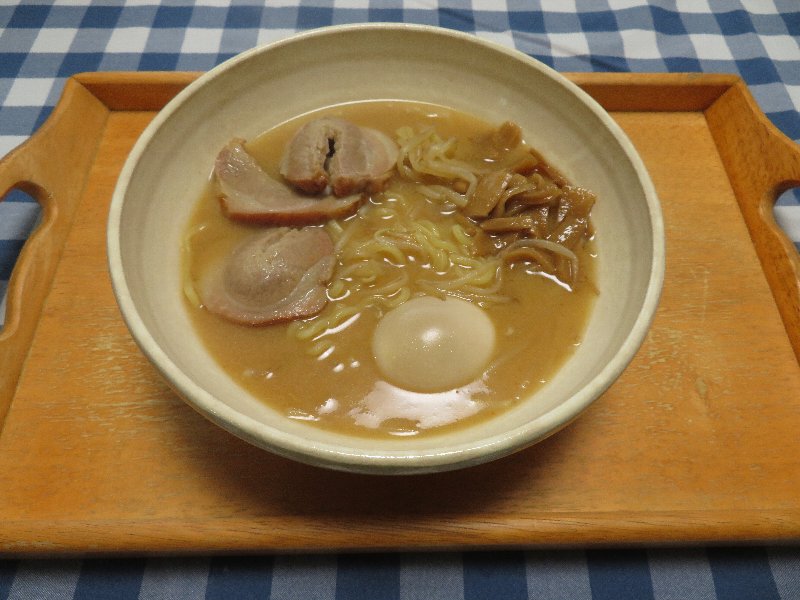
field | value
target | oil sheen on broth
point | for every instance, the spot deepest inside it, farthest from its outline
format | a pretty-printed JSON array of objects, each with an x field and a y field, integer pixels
[{"x": 328, "y": 375}]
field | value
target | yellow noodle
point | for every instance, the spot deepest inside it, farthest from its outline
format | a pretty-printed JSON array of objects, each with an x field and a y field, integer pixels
[
  {"x": 483, "y": 276},
  {"x": 337, "y": 288},
  {"x": 466, "y": 261},
  {"x": 320, "y": 347},
  {"x": 395, "y": 300},
  {"x": 312, "y": 328},
  {"x": 433, "y": 159},
  {"x": 378, "y": 248},
  {"x": 186, "y": 262},
  {"x": 461, "y": 236},
  {"x": 530, "y": 255},
  {"x": 365, "y": 271},
  {"x": 392, "y": 287},
  {"x": 441, "y": 193},
  {"x": 435, "y": 236},
  {"x": 341, "y": 239},
  {"x": 428, "y": 251},
  {"x": 479, "y": 295},
  {"x": 384, "y": 212},
  {"x": 556, "y": 249},
  {"x": 190, "y": 293},
  {"x": 334, "y": 229}
]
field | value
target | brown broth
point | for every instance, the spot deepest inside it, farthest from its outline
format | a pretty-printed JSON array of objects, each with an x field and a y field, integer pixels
[{"x": 342, "y": 390}]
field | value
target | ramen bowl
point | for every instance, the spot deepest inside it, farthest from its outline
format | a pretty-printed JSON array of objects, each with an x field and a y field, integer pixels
[{"x": 254, "y": 91}]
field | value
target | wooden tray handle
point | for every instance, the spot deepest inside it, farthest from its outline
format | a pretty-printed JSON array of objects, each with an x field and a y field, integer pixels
[
  {"x": 762, "y": 163},
  {"x": 52, "y": 166},
  {"x": 21, "y": 169}
]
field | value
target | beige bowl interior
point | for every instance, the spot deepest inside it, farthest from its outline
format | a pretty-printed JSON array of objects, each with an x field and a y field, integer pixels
[{"x": 168, "y": 167}]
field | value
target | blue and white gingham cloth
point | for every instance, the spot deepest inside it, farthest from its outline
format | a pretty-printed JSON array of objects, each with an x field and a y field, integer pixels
[
  {"x": 685, "y": 574},
  {"x": 42, "y": 43}
]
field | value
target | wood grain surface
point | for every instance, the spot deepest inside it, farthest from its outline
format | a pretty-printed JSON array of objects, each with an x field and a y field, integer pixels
[{"x": 696, "y": 442}]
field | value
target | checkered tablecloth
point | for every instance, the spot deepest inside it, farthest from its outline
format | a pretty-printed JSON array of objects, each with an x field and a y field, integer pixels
[{"x": 43, "y": 43}]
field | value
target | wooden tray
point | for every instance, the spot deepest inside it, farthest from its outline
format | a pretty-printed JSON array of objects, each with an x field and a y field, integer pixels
[{"x": 697, "y": 442}]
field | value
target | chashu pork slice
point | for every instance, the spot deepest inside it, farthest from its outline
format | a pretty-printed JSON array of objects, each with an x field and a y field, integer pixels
[
  {"x": 340, "y": 154},
  {"x": 279, "y": 274},
  {"x": 248, "y": 193}
]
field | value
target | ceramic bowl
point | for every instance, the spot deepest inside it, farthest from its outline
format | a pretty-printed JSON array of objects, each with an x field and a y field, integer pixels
[{"x": 248, "y": 94}]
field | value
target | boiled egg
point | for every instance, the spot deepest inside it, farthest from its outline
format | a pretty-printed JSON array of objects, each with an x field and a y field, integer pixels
[{"x": 431, "y": 345}]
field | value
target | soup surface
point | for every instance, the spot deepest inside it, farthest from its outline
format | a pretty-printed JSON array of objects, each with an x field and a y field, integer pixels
[{"x": 527, "y": 305}]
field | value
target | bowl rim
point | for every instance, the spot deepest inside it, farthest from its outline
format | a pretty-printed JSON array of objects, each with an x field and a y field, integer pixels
[{"x": 398, "y": 461}]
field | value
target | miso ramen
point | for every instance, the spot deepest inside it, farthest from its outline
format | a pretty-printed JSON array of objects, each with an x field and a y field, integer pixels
[{"x": 437, "y": 290}]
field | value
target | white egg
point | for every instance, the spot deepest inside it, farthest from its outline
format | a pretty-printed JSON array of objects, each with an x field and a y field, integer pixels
[{"x": 432, "y": 345}]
